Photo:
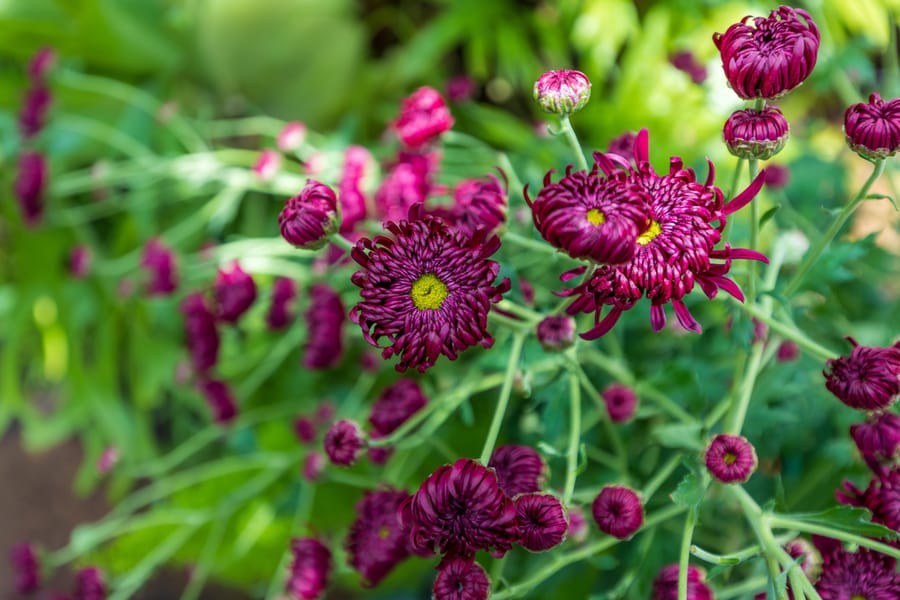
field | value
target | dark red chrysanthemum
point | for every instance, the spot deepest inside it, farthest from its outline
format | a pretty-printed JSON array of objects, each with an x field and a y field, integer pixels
[
  {"x": 665, "y": 584},
  {"x": 675, "y": 252},
  {"x": 458, "y": 510},
  {"x": 280, "y": 314},
  {"x": 868, "y": 379},
  {"x": 89, "y": 584},
  {"x": 855, "y": 575},
  {"x": 592, "y": 217},
  {"x": 621, "y": 402},
  {"x": 309, "y": 218},
  {"x": 234, "y": 292},
  {"x": 325, "y": 323},
  {"x": 730, "y": 458},
  {"x": 542, "y": 521},
  {"x": 873, "y": 128},
  {"x": 310, "y": 569},
  {"x": 477, "y": 203},
  {"x": 159, "y": 261},
  {"x": 31, "y": 181},
  {"x": 423, "y": 117},
  {"x": 343, "y": 442},
  {"x": 520, "y": 469},
  {"x": 618, "y": 511},
  {"x": 460, "y": 579},
  {"x": 201, "y": 332},
  {"x": 759, "y": 134},
  {"x": 878, "y": 439},
  {"x": 358, "y": 163},
  {"x": 407, "y": 183},
  {"x": 770, "y": 57},
  {"x": 562, "y": 92},
  {"x": 427, "y": 289},
  {"x": 219, "y": 398},
  {"x": 397, "y": 403},
  {"x": 377, "y": 541},
  {"x": 882, "y": 497},
  {"x": 34, "y": 110},
  {"x": 556, "y": 333},
  {"x": 25, "y": 565}
]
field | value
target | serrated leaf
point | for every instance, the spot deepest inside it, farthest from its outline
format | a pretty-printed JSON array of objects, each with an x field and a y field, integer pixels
[
  {"x": 848, "y": 519},
  {"x": 690, "y": 491}
]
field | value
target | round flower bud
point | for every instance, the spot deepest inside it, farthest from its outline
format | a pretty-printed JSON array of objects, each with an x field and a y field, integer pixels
[
  {"x": 26, "y": 567},
  {"x": 234, "y": 292},
  {"x": 556, "y": 333},
  {"x": 562, "y": 92},
  {"x": 423, "y": 117},
  {"x": 90, "y": 584},
  {"x": 460, "y": 579},
  {"x": 542, "y": 521},
  {"x": 30, "y": 185},
  {"x": 309, "y": 218},
  {"x": 343, "y": 442},
  {"x": 873, "y": 128},
  {"x": 878, "y": 439},
  {"x": 621, "y": 402},
  {"x": 310, "y": 569},
  {"x": 759, "y": 134},
  {"x": 811, "y": 563},
  {"x": 868, "y": 379},
  {"x": 520, "y": 469},
  {"x": 730, "y": 458},
  {"x": 618, "y": 511}
]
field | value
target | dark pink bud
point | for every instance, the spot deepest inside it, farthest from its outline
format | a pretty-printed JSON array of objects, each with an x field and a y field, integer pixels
[
  {"x": 291, "y": 137},
  {"x": 41, "y": 63},
  {"x": 562, "y": 92},
  {"x": 89, "y": 584},
  {"x": 234, "y": 292},
  {"x": 730, "y": 458},
  {"x": 311, "y": 217},
  {"x": 423, "y": 117},
  {"x": 811, "y": 560},
  {"x": 79, "y": 262},
  {"x": 325, "y": 322},
  {"x": 687, "y": 62},
  {"x": 396, "y": 404},
  {"x": 220, "y": 400},
  {"x": 621, "y": 403},
  {"x": 343, "y": 442},
  {"x": 873, "y": 128},
  {"x": 377, "y": 541},
  {"x": 313, "y": 465},
  {"x": 325, "y": 412},
  {"x": 26, "y": 567},
  {"x": 460, "y": 88},
  {"x": 878, "y": 439},
  {"x": 868, "y": 379},
  {"x": 358, "y": 164},
  {"x": 556, "y": 333},
  {"x": 280, "y": 314},
  {"x": 33, "y": 115},
  {"x": 108, "y": 459},
  {"x": 759, "y": 134},
  {"x": 159, "y": 261},
  {"x": 31, "y": 181},
  {"x": 788, "y": 351},
  {"x": 201, "y": 332},
  {"x": 542, "y": 521},
  {"x": 777, "y": 177},
  {"x": 520, "y": 469},
  {"x": 267, "y": 165},
  {"x": 460, "y": 579},
  {"x": 665, "y": 584},
  {"x": 578, "y": 525},
  {"x": 305, "y": 429},
  {"x": 618, "y": 511},
  {"x": 310, "y": 569}
]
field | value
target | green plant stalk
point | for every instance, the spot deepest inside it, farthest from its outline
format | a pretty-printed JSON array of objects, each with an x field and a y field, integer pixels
[
  {"x": 813, "y": 255},
  {"x": 659, "y": 476},
  {"x": 754, "y": 232},
  {"x": 522, "y": 311},
  {"x": 754, "y": 516},
  {"x": 743, "y": 589},
  {"x": 572, "y": 140},
  {"x": 684, "y": 554},
  {"x": 574, "y": 435},
  {"x": 611, "y": 431},
  {"x": 526, "y": 242},
  {"x": 503, "y": 401},
  {"x": 781, "y": 522},
  {"x": 735, "y": 177},
  {"x": 343, "y": 242},
  {"x": 125, "y": 587},
  {"x": 786, "y": 331}
]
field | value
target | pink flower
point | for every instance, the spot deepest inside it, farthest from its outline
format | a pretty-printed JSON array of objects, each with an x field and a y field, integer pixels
[
  {"x": 730, "y": 458},
  {"x": 159, "y": 261},
  {"x": 868, "y": 379},
  {"x": 291, "y": 137},
  {"x": 343, "y": 442},
  {"x": 759, "y": 134},
  {"x": 284, "y": 291},
  {"x": 201, "y": 332},
  {"x": 310, "y": 569},
  {"x": 33, "y": 115},
  {"x": 878, "y": 439},
  {"x": 89, "y": 584},
  {"x": 460, "y": 88},
  {"x": 407, "y": 183},
  {"x": 358, "y": 164},
  {"x": 396, "y": 404},
  {"x": 80, "y": 261},
  {"x": 30, "y": 184},
  {"x": 313, "y": 465},
  {"x": 618, "y": 511},
  {"x": 311, "y": 217},
  {"x": 377, "y": 541},
  {"x": 460, "y": 579},
  {"x": 234, "y": 292},
  {"x": 325, "y": 322},
  {"x": 423, "y": 117},
  {"x": 220, "y": 400},
  {"x": 621, "y": 402},
  {"x": 542, "y": 521},
  {"x": 477, "y": 203},
  {"x": 562, "y": 92},
  {"x": 267, "y": 165},
  {"x": 556, "y": 333},
  {"x": 520, "y": 469},
  {"x": 665, "y": 584},
  {"x": 26, "y": 567}
]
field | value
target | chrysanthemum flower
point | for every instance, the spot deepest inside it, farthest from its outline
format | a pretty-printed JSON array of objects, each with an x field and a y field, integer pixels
[
  {"x": 873, "y": 128},
  {"x": 377, "y": 541},
  {"x": 358, "y": 163},
  {"x": 31, "y": 181},
  {"x": 623, "y": 145},
  {"x": 520, "y": 469},
  {"x": 861, "y": 574},
  {"x": 759, "y": 134},
  {"x": 618, "y": 511},
  {"x": 397, "y": 403},
  {"x": 343, "y": 442},
  {"x": 460, "y": 579},
  {"x": 34, "y": 110},
  {"x": 687, "y": 62},
  {"x": 234, "y": 292},
  {"x": 542, "y": 521},
  {"x": 476, "y": 203},
  {"x": 159, "y": 261},
  {"x": 407, "y": 183},
  {"x": 878, "y": 439},
  {"x": 770, "y": 57},
  {"x": 201, "y": 332},
  {"x": 310, "y": 569},
  {"x": 882, "y": 497},
  {"x": 730, "y": 458},
  {"x": 427, "y": 289},
  {"x": 562, "y": 92},
  {"x": 675, "y": 252},
  {"x": 90, "y": 584},
  {"x": 665, "y": 584},
  {"x": 868, "y": 379},
  {"x": 423, "y": 117},
  {"x": 556, "y": 333},
  {"x": 621, "y": 402},
  {"x": 591, "y": 217},
  {"x": 25, "y": 565},
  {"x": 220, "y": 399},
  {"x": 280, "y": 315},
  {"x": 325, "y": 323},
  {"x": 458, "y": 510},
  {"x": 311, "y": 217}
]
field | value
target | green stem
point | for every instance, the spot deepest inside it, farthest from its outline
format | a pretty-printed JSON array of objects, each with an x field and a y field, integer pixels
[
  {"x": 754, "y": 365},
  {"x": 744, "y": 589},
  {"x": 515, "y": 183},
  {"x": 782, "y": 522},
  {"x": 343, "y": 242},
  {"x": 520, "y": 311},
  {"x": 786, "y": 331},
  {"x": 735, "y": 177},
  {"x": 505, "y": 393},
  {"x": 574, "y": 436},
  {"x": 572, "y": 139},
  {"x": 611, "y": 431},
  {"x": 684, "y": 555},
  {"x": 659, "y": 477},
  {"x": 531, "y": 244},
  {"x": 823, "y": 242},
  {"x": 754, "y": 516},
  {"x": 725, "y": 559}
]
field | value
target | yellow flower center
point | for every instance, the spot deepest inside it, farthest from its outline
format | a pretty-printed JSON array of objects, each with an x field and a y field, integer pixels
[
  {"x": 596, "y": 217},
  {"x": 729, "y": 458},
  {"x": 429, "y": 292},
  {"x": 652, "y": 231},
  {"x": 384, "y": 532},
  {"x": 858, "y": 597}
]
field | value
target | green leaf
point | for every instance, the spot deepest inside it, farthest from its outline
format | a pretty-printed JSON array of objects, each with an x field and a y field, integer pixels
[
  {"x": 690, "y": 491},
  {"x": 679, "y": 435},
  {"x": 847, "y": 519},
  {"x": 768, "y": 215}
]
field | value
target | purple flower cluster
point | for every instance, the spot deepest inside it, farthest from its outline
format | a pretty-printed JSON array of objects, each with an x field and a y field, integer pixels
[{"x": 861, "y": 574}]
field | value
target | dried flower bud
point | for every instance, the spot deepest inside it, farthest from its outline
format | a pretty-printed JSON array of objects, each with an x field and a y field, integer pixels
[
  {"x": 759, "y": 134},
  {"x": 562, "y": 92}
]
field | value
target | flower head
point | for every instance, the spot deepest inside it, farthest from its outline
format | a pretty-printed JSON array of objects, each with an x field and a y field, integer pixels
[
  {"x": 377, "y": 541},
  {"x": 80, "y": 261},
  {"x": 284, "y": 291},
  {"x": 343, "y": 442},
  {"x": 267, "y": 165},
  {"x": 556, "y": 332},
  {"x": 108, "y": 459},
  {"x": 427, "y": 289},
  {"x": 234, "y": 292},
  {"x": 787, "y": 351},
  {"x": 873, "y": 128},
  {"x": 618, "y": 511},
  {"x": 31, "y": 181},
  {"x": 460, "y": 88},
  {"x": 309, "y": 218},
  {"x": 358, "y": 163},
  {"x": 310, "y": 569},
  {"x": 423, "y": 117},
  {"x": 201, "y": 332},
  {"x": 458, "y": 510},
  {"x": 291, "y": 137},
  {"x": 687, "y": 62},
  {"x": 34, "y": 110},
  {"x": 759, "y": 134},
  {"x": 477, "y": 203},
  {"x": 811, "y": 559},
  {"x": 621, "y": 402},
  {"x": 861, "y": 574},
  {"x": 159, "y": 261},
  {"x": 578, "y": 525},
  {"x": 868, "y": 379},
  {"x": 41, "y": 63},
  {"x": 24, "y": 562},
  {"x": 665, "y": 584},
  {"x": 325, "y": 323},
  {"x": 771, "y": 56},
  {"x": 219, "y": 398},
  {"x": 89, "y": 584},
  {"x": 520, "y": 469},
  {"x": 407, "y": 183},
  {"x": 562, "y": 92},
  {"x": 397, "y": 403},
  {"x": 542, "y": 521},
  {"x": 730, "y": 458},
  {"x": 460, "y": 579},
  {"x": 878, "y": 439},
  {"x": 305, "y": 429}
]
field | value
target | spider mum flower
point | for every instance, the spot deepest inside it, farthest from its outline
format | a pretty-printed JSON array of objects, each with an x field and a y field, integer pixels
[
  {"x": 677, "y": 251},
  {"x": 159, "y": 261},
  {"x": 310, "y": 569},
  {"x": 878, "y": 439},
  {"x": 31, "y": 181},
  {"x": 458, "y": 510},
  {"x": 730, "y": 458},
  {"x": 759, "y": 134},
  {"x": 397, "y": 403},
  {"x": 234, "y": 292},
  {"x": 343, "y": 442},
  {"x": 311, "y": 217},
  {"x": 868, "y": 379},
  {"x": 201, "y": 332},
  {"x": 562, "y": 92},
  {"x": 220, "y": 400},
  {"x": 427, "y": 289},
  {"x": 665, "y": 584},
  {"x": 460, "y": 579},
  {"x": 284, "y": 290},
  {"x": 618, "y": 511},
  {"x": 325, "y": 322},
  {"x": 621, "y": 402},
  {"x": 861, "y": 574},
  {"x": 542, "y": 521},
  {"x": 377, "y": 541},
  {"x": 423, "y": 117},
  {"x": 90, "y": 584},
  {"x": 556, "y": 333},
  {"x": 873, "y": 128},
  {"x": 520, "y": 469},
  {"x": 591, "y": 217},
  {"x": 24, "y": 562},
  {"x": 771, "y": 56}
]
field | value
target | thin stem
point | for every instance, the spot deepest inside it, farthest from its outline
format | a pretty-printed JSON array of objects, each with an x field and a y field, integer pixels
[
  {"x": 754, "y": 365},
  {"x": 684, "y": 554},
  {"x": 611, "y": 431},
  {"x": 574, "y": 436},
  {"x": 754, "y": 233},
  {"x": 754, "y": 516},
  {"x": 659, "y": 477},
  {"x": 735, "y": 177},
  {"x": 572, "y": 139},
  {"x": 725, "y": 559},
  {"x": 531, "y": 244},
  {"x": 505, "y": 393},
  {"x": 786, "y": 331},
  {"x": 343, "y": 242},
  {"x": 743, "y": 589},
  {"x": 519, "y": 310},
  {"x": 784, "y": 522}
]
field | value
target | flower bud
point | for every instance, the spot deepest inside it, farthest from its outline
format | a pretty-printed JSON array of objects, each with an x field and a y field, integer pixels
[
  {"x": 31, "y": 181},
  {"x": 868, "y": 379},
  {"x": 618, "y": 511},
  {"x": 343, "y": 442},
  {"x": 291, "y": 137},
  {"x": 873, "y": 128},
  {"x": 556, "y": 333},
  {"x": 562, "y": 92},
  {"x": 234, "y": 292},
  {"x": 730, "y": 458},
  {"x": 310, "y": 217},
  {"x": 542, "y": 521},
  {"x": 759, "y": 134},
  {"x": 621, "y": 403},
  {"x": 423, "y": 117},
  {"x": 310, "y": 569}
]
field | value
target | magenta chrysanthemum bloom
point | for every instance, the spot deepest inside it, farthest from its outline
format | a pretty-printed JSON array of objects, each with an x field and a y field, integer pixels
[
  {"x": 311, "y": 217},
  {"x": 234, "y": 292},
  {"x": 396, "y": 404},
  {"x": 520, "y": 469},
  {"x": 325, "y": 321},
  {"x": 343, "y": 442},
  {"x": 730, "y": 458},
  {"x": 542, "y": 521},
  {"x": 460, "y": 579},
  {"x": 25, "y": 565},
  {"x": 80, "y": 262},
  {"x": 621, "y": 402},
  {"x": 882, "y": 497},
  {"x": 280, "y": 315},
  {"x": 770, "y": 57},
  {"x": 675, "y": 252},
  {"x": 873, "y": 128},
  {"x": 33, "y": 115},
  {"x": 313, "y": 465},
  {"x": 31, "y": 181},
  {"x": 407, "y": 183},
  {"x": 868, "y": 379},
  {"x": 291, "y": 137},
  {"x": 556, "y": 333},
  {"x": 305, "y": 429},
  {"x": 477, "y": 203},
  {"x": 427, "y": 288},
  {"x": 623, "y": 145},
  {"x": 200, "y": 331},
  {"x": 358, "y": 163},
  {"x": 423, "y": 117},
  {"x": 310, "y": 569},
  {"x": 591, "y": 217},
  {"x": 220, "y": 400},
  {"x": 618, "y": 511},
  {"x": 159, "y": 261},
  {"x": 759, "y": 134},
  {"x": 377, "y": 541},
  {"x": 665, "y": 584},
  {"x": 861, "y": 574},
  {"x": 562, "y": 92},
  {"x": 90, "y": 585},
  {"x": 878, "y": 439},
  {"x": 458, "y": 510}
]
